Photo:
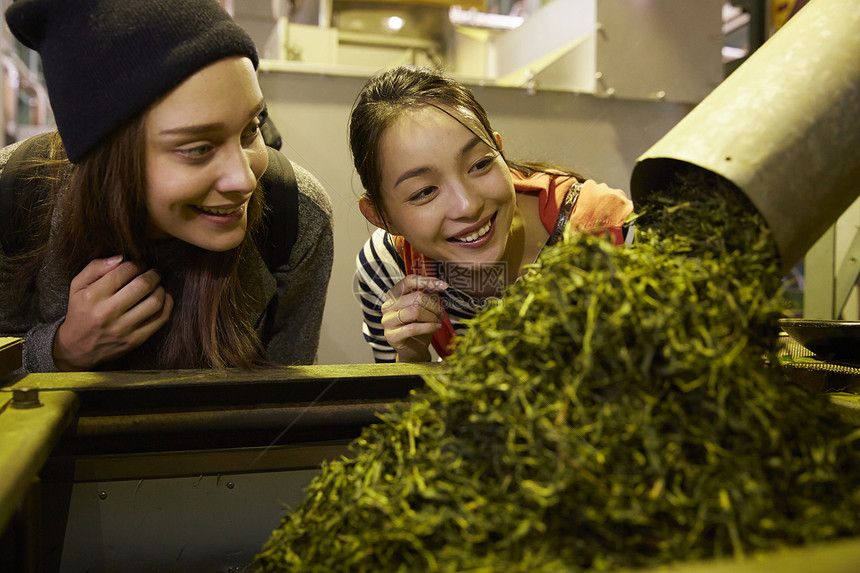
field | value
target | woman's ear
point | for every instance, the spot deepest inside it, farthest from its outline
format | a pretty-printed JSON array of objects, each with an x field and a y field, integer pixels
[
  {"x": 371, "y": 213},
  {"x": 498, "y": 137}
]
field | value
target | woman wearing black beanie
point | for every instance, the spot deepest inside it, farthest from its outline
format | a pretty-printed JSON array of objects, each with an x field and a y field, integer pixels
[{"x": 154, "y": 246}]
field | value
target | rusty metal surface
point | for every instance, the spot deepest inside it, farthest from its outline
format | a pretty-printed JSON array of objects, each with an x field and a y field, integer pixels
[
  {"x": 247, "y": 438},
  {"x": 802, "y": 366},
  {"x": 164, "y": 410},
  {"x": 27, "y": 436},
  {"x": 835, "y": 557},
  {"x": 784, "y": 128},
  {"x": 348, "y": 373}
]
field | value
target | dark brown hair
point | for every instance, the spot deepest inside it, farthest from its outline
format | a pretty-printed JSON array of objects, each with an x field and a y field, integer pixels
[
  {"x": 101, "y": 208},
  {"x": 384, "y": 98}
]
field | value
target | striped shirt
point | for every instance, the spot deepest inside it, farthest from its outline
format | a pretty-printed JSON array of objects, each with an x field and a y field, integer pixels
[{"x": 378, "y": 268}]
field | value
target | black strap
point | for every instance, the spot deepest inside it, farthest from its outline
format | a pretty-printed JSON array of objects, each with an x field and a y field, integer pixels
[
  {"x": 564, "y": 213},
  {"x": 281, "y": 225},
  {"x": 18, "y": 198},
  {"x": 271, "y": 135},
  {"x": 282, "y": 220}
]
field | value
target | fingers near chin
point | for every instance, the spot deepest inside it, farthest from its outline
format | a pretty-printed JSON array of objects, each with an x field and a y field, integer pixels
[
  {"x": 428, "y": 314},
  {"x": 414, "y": 329},
  {"x": 419, "y": 282}
]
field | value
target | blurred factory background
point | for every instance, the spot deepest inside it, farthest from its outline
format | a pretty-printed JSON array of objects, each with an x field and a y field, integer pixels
[{"x": 591, "y": 84}]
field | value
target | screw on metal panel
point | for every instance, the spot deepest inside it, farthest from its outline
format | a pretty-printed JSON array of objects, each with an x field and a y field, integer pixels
[
  {"x": 230, "y": 485},
  {"x": 102, "y": 495},
  {"x": 23, "y": 398}
]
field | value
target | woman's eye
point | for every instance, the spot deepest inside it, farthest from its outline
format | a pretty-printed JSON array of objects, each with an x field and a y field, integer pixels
[
  {"x": 483, "y": 164},
  {"x": 257, "y": 124},
  {"x": 422, "y": 195},
  {"x": 252, "y": 130},
  {"x": 251, "y": 133},
  {"x": 195, "y": 152}
]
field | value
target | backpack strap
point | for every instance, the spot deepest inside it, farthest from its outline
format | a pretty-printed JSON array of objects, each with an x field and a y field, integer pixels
[
  {"x": 17, "y": 197},
  {"x": 282, "y": 218},
  {"x": 281, "y": 225}
]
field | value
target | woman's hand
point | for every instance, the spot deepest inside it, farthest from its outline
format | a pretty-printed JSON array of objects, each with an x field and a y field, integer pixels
[
  {"x": 114, "y": 307},
  {"x": 411, "y": 314}
]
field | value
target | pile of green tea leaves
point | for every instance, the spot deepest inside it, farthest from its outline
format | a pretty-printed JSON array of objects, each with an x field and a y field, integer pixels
[{"x": 617, "y": 411}]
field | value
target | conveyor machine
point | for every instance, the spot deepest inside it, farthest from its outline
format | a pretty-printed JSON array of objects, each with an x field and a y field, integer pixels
[{"x": 171, "y": 471}]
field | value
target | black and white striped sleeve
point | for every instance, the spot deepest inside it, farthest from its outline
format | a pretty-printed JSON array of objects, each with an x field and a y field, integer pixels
[{"x": 378, "y": 268}]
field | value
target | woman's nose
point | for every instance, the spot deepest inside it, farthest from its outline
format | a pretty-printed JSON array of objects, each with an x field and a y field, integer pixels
[
  {"x": 238, "y": 171},
  {"x": 464, "y": 203}
]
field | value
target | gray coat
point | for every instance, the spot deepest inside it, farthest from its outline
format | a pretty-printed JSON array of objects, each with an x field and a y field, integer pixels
[{"x": 300, "y": 287}]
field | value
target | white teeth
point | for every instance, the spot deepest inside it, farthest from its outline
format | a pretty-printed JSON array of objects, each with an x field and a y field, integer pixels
[
  {"x": 212, "y": 211},
  {"x": 477, "y": 234}
]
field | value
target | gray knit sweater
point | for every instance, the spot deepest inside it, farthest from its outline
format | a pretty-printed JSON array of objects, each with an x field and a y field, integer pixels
[{"x": 300, "y": 287}]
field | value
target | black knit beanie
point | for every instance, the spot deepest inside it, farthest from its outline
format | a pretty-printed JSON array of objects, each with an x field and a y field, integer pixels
[{"x": 106, "y": 61}]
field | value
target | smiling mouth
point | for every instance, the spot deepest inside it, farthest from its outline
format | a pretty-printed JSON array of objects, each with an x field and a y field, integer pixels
[
  {"x": 224, "y": 212},
  {"x": 474, "y": 236}
]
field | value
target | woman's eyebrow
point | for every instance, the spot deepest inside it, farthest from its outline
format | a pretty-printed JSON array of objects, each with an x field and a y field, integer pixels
[
  {"x": 410, "y": 174},
  {"x": 207, "y": 127},
  {"x": 470, "y": 145},
  {"x": 422, "y": 170},
  {"x": 191, "y": 129}
]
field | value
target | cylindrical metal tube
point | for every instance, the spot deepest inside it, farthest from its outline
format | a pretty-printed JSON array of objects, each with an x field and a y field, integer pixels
[{"x": 784, "y": 128}]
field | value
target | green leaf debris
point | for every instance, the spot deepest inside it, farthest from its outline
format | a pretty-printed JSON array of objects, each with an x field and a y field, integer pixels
[{"x": 618, "y": 410}]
